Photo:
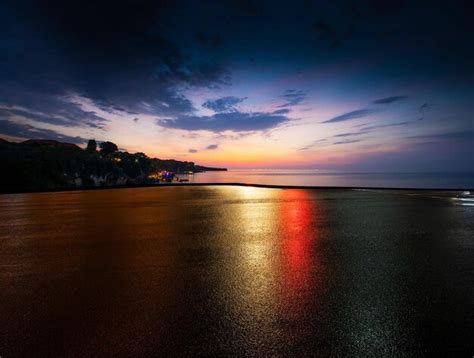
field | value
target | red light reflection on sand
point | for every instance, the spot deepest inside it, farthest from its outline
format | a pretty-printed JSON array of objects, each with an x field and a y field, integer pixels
[{"x": 301, "y": 266}]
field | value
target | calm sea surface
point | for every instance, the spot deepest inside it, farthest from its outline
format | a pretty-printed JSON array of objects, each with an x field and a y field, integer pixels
[
  {"x": 235, "y": 271},
  {"x": 320, "y": 178}
]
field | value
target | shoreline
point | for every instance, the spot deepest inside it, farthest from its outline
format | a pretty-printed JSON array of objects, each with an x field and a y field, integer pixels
[{"x": 267, "y": 186}]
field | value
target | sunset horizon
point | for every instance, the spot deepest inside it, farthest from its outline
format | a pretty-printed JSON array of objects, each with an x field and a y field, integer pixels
[{"x": 375, "y": 87}]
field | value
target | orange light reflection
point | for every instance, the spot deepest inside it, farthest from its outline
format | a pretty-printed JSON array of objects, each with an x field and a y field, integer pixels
[{"x": 301, "y": 265}]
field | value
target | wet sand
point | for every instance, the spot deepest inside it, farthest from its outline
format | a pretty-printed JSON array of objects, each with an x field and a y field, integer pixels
[{"x": 235, "y": 270}]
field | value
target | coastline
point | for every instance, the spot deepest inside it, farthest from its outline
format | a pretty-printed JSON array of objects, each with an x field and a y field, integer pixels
[{"x": 267, "y": 186}]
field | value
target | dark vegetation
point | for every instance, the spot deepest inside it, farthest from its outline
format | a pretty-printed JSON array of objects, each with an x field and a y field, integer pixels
[{"x": 51, "y": 165}]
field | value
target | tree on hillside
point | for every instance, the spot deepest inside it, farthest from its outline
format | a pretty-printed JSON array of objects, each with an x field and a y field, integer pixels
[
  {"x": 91, "y": 146},
  {"x": 107, "y": 148}
]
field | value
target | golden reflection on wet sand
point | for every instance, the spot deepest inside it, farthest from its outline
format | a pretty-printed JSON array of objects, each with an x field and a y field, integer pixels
[{"x": 231, "y": 271}]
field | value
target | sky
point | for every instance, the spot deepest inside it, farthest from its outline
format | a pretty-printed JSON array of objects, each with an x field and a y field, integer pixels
[{"x": 338, "y": 85}]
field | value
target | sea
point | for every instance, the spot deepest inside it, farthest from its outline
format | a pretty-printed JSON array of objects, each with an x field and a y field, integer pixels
[{"x": 311, "y": 177}]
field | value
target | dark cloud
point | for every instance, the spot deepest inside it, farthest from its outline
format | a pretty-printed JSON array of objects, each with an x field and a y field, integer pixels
[
  {"x": 336, "y": 31},
  {"x": 281, "y": 111},
  {"x": 306, "y": 147},
  {"x": 212, "y": 147},
  {"x": 324, "y": 31},
  {"x": 26, "y": 131},
  {"x": 313, "y": 144},
  {"x": 347, "y": 141},
  {"x": 421, "y": 36},
  {"x": 456, "y": 136},
  {"x": 212, "y": 41},
  {"x": 219, "y": 122},
  {"x": 248, "y": 7},
  {"x": 388, "y": 100},
  {"x": 115, "y": 53},
  {"x": 360, "y": 125},
  {"x": 342, "y": 135},
  {"x": 397, "y": 124},
  {"x": 360, "y": 113},
  {"x": 37, "y": 117},
  {"x": 424, "y": 107},
  {"x": 46, "y": 108},
  {"x": 223, "y": 104},
  {"x": 349, "y": 134},
  {"x": 233, "y": 136},
  {"x": 387, "y": 7},
  {"x": 323, "y": 28},
  {"x": 293, "y": 97},
  {"x": 192, "y": 150}
]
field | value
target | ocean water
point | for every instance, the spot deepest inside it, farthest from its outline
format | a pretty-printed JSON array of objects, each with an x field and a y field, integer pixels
[
  {"x": 321, "y": 178},
  {"x": 235, "y": 271}
]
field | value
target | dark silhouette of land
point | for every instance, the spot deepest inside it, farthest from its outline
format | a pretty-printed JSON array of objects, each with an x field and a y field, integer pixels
[{"x": 37, "y": 165}]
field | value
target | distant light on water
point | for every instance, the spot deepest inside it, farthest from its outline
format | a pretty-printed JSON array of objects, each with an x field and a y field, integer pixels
[{"x": 464, "y": 199}]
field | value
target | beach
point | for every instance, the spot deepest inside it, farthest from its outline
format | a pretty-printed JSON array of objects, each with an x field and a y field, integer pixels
[{"x": 236, "y": 270}]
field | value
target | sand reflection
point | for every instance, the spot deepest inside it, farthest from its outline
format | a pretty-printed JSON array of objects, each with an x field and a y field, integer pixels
[
  {"x": 301, "y": 265},
  {"x": 248, "y": 279},
  {"x": 273, "y": 269}
]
